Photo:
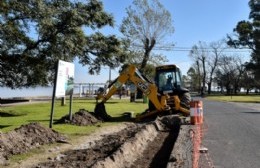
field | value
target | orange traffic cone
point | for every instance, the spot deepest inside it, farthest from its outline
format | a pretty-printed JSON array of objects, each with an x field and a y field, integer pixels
[{"x": 196, "y": 112}]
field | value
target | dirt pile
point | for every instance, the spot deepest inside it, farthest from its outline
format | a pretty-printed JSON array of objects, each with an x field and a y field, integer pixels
[
  {"x": 80, "y": 118},
  {"x": 24, "y": 138}
]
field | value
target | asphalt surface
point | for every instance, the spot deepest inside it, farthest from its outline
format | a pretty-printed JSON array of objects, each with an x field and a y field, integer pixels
[{"x": 231, "y": 134}]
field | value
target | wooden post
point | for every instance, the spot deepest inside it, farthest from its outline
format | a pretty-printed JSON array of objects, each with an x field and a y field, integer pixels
[{"x": 53, "y": 95}]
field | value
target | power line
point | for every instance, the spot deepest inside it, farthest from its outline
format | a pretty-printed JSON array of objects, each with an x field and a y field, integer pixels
[
  {"x": 187, "y": 49},
  {"x": 227, "y": 50}
]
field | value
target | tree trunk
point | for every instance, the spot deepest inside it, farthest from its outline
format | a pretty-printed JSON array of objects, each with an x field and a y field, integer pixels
[
  {"x": 204, "y": 76},
  {"x": 228, "y": 89},
  {"x": 148, "y": 46},
  {"x": 139, "y": 94},
  {"x": 209, "y": 88},
  {"x": 199, "y": 76},
  {"x": 247, "y": 91},
  {"x": 236, "y": 89},
  {"x": 222, "y": 88},
  {"x": 144, "y": 61}
]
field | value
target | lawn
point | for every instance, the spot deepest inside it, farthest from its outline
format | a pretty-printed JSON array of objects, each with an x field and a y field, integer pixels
[
  {"x": 15, "y": 116},
  {"x": 236, "y": 98}
]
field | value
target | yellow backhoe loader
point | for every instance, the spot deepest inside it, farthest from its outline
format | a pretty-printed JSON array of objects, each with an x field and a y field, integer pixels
[{"x": 166, "y": 94}]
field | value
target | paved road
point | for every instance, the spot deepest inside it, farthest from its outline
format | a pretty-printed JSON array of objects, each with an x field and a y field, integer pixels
[{"x": 232, "y": 135}]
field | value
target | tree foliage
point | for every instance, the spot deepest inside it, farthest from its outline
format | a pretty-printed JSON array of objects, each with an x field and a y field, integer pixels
[
  {"x": 146, "y": 25},
  {"x": 135, "y": 57},
  {"x": 34, "y": 34},
  {"x": 248, "y": 35},
  {"x": 194, "y": 79},
  {"x": 229, "y": 74}
]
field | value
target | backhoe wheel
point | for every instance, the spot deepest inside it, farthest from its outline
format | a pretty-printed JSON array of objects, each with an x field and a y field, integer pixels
[{"x": 185, "y": 100}]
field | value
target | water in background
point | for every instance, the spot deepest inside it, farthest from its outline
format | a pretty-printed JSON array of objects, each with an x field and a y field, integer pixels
[
  {"x": 36, "y": 92},
  {"x": 25, "y": 92}
]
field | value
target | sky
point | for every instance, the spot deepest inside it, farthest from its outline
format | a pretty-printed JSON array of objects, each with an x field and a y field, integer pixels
[{"x": 193, "y": 21}]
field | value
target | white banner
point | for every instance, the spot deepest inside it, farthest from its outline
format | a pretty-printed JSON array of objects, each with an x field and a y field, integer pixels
[{"x": 65, "y": 79}]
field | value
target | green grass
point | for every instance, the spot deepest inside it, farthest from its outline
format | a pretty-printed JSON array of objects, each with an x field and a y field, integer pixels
[
  {"x": 235, "y": 98},
  {"x": 15, "y": 116}
]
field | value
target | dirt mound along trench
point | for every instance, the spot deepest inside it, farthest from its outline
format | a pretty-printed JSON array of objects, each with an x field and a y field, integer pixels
[
  {"x": 96, "y": 151},
  {"x": 121, "y": 149},
  {"x": 80, "y": 118},
  {"x": 24, "y": 138}
]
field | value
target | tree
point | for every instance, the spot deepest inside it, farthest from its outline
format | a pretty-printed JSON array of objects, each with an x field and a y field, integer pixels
[
  {"x": 194, "y": 79},
  {"x": 186, "y": 81},
  {"x": 213, "y": 61},
  {"x": 206, "y": 59},
  {"x": 229, "y": 73},
  {"x": 199, "y": 53},
  {"x": 248, "y": 35},
  {"x": 248, "y": 81},
  {"x": 35, "y": 34},
  {"x": 225, "y": 73},
  {"x": 146, "y": 25}
]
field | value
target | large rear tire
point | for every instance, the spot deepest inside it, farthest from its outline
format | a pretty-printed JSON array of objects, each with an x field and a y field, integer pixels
[{"x": 185, "y": 100}]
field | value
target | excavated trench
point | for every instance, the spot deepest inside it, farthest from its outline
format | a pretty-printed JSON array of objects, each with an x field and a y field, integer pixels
[{"x": 138, "y": 145}]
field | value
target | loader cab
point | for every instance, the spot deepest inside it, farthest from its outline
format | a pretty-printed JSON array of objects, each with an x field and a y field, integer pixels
[{"x": 168, "y": 78}]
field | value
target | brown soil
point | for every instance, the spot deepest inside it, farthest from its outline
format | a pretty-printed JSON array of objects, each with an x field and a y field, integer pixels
[
  {"x": 101, "y": 149},
  {"x": 80, "y": 118},
  {"x": 25, "y": 138},
  {"x": 138, "y": 145},
  {"x": 157, "y": 154},
  {"x": 133, "y": 145}
]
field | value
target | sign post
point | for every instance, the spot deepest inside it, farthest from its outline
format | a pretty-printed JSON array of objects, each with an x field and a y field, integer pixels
[
  {"x": 63, "y": 84},
  {"x": 53, "y": 96}
]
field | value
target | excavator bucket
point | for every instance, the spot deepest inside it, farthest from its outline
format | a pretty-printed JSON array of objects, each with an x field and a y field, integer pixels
[{"x": 100, "y": 112}]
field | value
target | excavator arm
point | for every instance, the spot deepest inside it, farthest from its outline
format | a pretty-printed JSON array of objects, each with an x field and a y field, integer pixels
[
  {"x": 122, "y": 79},
  {"x": 131, "y": 73}
]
